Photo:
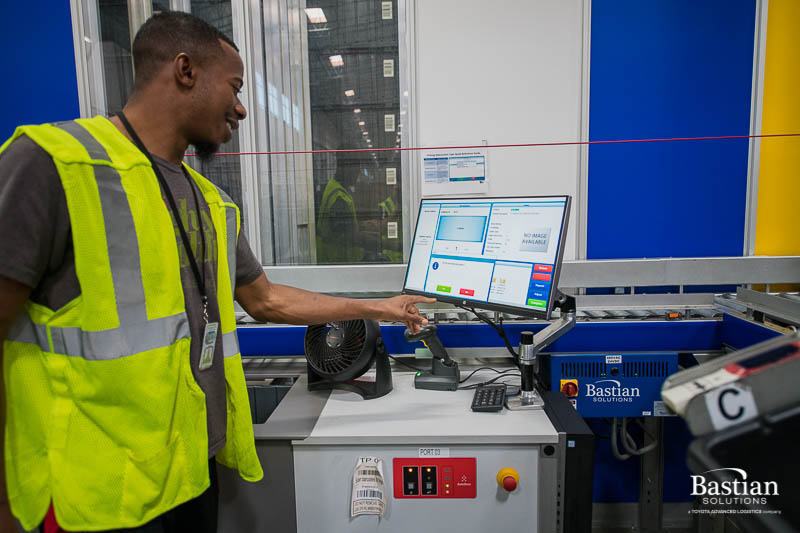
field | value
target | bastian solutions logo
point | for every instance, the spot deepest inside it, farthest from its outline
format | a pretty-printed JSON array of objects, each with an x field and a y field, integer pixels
[
  {"x": 611, "y": 391},
  {"x": 733, "y": 492}
]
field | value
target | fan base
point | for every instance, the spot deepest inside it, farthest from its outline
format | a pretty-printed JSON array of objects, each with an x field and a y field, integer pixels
[{"x": 368, "y": 389}]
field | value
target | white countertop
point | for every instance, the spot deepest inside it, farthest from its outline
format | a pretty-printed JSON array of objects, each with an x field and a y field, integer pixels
[{"x": 408, "y": 415}]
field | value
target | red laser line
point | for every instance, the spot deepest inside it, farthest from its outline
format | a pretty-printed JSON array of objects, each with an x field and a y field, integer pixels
[{"x": 569, "y": 143}]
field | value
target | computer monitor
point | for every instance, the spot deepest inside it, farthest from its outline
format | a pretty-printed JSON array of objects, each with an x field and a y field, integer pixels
[{"x": 502, "y": 254}]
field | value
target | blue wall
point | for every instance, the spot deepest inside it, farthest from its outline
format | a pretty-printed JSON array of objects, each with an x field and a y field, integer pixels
[
  {"x": 38, "y": 65},
  {"x": 665, "y": 69}
]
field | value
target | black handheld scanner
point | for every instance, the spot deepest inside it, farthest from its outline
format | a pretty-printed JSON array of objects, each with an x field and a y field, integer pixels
[{"x": 427, "y": 335}]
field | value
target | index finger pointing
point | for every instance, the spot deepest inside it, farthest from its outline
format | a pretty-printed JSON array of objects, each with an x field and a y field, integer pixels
[{"x": 421, "y": 299}]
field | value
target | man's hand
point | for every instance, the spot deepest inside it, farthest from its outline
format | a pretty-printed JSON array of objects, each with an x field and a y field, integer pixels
[
  {"x": 402, "y": 309},
  {"x": 271, "y": 302}
]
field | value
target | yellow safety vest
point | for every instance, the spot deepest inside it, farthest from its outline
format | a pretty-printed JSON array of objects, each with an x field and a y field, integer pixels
[
  {"x": 329, "y": 244},
  {"x": 389, "y": 210},
  {"x": 104, "y": 416},
  {"x": 387, "y": 207}
]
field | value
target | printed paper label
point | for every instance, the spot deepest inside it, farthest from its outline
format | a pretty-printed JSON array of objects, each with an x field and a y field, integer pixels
[
  {"x": 388, "y": 68},
  {"x": 369, "y": 496},
  {"x": 386, "y": 10}
]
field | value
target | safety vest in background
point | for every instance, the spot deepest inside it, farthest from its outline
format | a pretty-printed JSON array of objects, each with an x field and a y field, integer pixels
[
  {"x": 389, "y": 211},
  {"x": 331, "y": 247},
  {"x": 387, "y": 207},
  {"x": 104, "y": 416}
]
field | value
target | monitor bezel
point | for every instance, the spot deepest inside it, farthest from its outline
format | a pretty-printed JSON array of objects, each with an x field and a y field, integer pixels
[{"x": 477, "y": 304}]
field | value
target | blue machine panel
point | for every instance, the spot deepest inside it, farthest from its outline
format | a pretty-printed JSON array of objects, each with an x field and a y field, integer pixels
[
  {"x": 668, "y": 69},
  {"x": 613, "y": 385},
  {"x": 39, "y": 65}
]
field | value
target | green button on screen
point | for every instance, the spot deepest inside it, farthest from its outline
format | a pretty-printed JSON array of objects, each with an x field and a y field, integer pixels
[
  {"x": 537, "y": 303},
  {"x": 443, "y": 288}
]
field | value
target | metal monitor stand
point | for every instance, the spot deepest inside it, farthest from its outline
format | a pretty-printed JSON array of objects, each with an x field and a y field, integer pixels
[{"x": 529, "y": 397}]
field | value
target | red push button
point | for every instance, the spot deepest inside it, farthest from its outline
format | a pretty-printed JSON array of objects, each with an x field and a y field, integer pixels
[
  {"x": 542, "y": 277},
  {"x": 569, "y": 387},
  {"x": 543, "y": 268},
  {"x": 467, "y": 292},
  {"x": 508, "y": 478}
]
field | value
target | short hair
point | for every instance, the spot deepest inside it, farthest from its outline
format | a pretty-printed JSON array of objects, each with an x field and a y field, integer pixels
[{"x": 165, "y": 35}]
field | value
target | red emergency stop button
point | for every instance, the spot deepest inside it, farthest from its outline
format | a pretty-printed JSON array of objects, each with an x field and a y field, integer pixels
[
  {"x": 569, "y": 387},
  {"x": 508, "y": 478}
]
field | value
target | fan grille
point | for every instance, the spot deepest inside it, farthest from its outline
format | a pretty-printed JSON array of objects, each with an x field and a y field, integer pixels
[{"x": 335, "y": 347}]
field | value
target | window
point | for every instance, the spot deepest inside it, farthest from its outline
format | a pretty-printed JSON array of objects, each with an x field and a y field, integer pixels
[{"x": 321, "y": 76}]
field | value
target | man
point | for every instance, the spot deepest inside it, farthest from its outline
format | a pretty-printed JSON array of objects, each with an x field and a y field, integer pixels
[
  {"x": 340, "y": 237},
  {"x": 118, "y": 271}
]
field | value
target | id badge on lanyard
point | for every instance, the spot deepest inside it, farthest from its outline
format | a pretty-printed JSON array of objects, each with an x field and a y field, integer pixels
[
  {"x": 209, "y": 344},
  {"x": 209, "y": 339}
]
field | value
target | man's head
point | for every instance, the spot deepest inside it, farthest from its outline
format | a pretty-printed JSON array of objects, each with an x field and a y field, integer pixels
[
  {"x": 347, "y": 170},
  {"x": 185, "y": 61}
]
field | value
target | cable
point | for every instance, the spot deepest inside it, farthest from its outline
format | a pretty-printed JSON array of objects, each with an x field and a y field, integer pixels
[
  {"x": 490, "y": 381},
  {"x": 485, "y": 368},
  {"x": 521, "y": 145},
  {"x": 396, "y": 360},
  {"x": 628, "y": 441},
  {"x": 499, "y": 329},
  {"x": 502, "y": 333},
  {"x": 630, "y": 445},
  {"x": 614, "y": 447}
]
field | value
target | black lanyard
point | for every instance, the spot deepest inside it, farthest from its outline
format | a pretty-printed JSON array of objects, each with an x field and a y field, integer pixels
[{"x": 201, "y": 280}]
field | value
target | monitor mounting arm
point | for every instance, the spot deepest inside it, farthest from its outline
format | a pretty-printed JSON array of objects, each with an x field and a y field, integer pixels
[{"x": 530, "y": 347}]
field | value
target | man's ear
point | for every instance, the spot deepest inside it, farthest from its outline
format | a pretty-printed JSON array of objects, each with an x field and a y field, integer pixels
[{"x": 185, "y": 73}]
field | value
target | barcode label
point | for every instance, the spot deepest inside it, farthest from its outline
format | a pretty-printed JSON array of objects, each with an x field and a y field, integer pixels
[
  {"x": 388, "y": 68},
  {"x": 391, "y": 176},
  {"x": 388, "y": 122},
  {"x": 391, "y": 230},
  {"x": 386, "y": 10},
  {"x": 368, "y": 494}
]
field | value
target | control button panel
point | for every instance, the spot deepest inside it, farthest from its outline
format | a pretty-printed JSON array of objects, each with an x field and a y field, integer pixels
[
  {"x": 411, "y": 481},
  {"x": 422, "y": 477}
]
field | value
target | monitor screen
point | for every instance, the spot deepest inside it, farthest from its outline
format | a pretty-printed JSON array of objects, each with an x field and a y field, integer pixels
[{"x": 501, "y": 254}]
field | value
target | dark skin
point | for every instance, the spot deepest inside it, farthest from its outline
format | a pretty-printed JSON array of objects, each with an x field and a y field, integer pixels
[
  {"x": 13, "y": 296},
  {"x": 190, "y": 102}
]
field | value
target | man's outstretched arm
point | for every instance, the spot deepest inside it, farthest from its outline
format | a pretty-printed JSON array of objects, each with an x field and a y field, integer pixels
[
  {"x": 13, "y": 296},
  {"x": 270, "y": 302}
]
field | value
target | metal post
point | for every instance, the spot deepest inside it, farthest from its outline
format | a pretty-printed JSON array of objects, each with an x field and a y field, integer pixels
[{"x": 651, "y": 486}]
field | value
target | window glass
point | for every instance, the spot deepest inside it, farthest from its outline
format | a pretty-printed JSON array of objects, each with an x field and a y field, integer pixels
[
  {"x": 115, "y": 37},
  {"x": 225, "y": 171},
  {"x": 354, "y": 92},
  {"x": 322, "y": 75}
]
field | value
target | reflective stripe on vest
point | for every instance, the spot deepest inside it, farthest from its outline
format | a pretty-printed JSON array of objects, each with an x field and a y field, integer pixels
[
  {"x": 104, "y": 345},
  {"x": 138, "y": 334},
  {"x": 230, "y": 340}
]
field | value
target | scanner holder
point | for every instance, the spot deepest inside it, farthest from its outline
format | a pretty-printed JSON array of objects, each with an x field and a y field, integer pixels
[
  {"x": 529, "y": 397},
  {"x": 444, "y": 373}
]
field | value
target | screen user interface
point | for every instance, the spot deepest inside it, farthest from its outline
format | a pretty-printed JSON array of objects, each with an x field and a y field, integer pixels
[{"x": 501, "y": 251}]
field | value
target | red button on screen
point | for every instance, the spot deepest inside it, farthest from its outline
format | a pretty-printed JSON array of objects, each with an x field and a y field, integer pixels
[
  {"x": 467, "y": 292},
  {"x": 542, "y": 277},
  {"x": 543, "y": 268}
]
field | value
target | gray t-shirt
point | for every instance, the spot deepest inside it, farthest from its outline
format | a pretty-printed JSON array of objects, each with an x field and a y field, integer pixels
[{"x": 36, "y": 249}]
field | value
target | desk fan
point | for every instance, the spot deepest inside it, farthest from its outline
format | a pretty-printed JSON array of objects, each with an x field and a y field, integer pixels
[{"x": 338, "y": 353}]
